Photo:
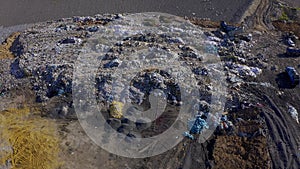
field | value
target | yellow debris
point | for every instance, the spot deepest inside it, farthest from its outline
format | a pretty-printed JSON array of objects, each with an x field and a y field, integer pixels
[
  {"x": 116, "y": 109},
  {"x": 225, "y": 113},
  {"x": 5, "y": 52},
  {"x": 27, "y": 141}
]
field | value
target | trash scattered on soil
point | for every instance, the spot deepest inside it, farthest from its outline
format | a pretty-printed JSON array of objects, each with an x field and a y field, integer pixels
[
  {"x": 243, "y": 70},
  {"x": 188, "y": 135},
  {"x": 293, "y": 75},
  {"x": 293, "y": 112},
  {"x": 116, "y": 109},
  {"x": 224, "y": 123},
  {"x": 196, "y": 126},
  {"x": 49, "y": 65},
  {"x": 291, "y": 51}
]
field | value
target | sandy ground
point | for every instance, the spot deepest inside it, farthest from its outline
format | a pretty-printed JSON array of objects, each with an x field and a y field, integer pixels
[{"x": 15, "y": 12}]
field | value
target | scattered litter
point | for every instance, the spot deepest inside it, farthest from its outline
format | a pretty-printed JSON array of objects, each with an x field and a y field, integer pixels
[
  {"x": 116, "y": 109},
  {"x": 16, "y": 70},
  {"x": 67, "y": 40},
  {"x": 291, "y": 42},
  {"x": 293, "y": 51},
  {"x": 113, "y": 63},
  {"x": 214, "y": 39},
  {"x": 231, "y": 30},
  {"x": 71, "y": 40},
  {"x": 292, "y": 110},
  {"x": 293, "y": 75},
  {"x": 234, "y": 79},
  {"x": 64, "y": 27},
  {"x": 226, "y": 28},
  {"x": 243, "y": 70},
  {"x": 265, "y": 84},
  {"x": 225, "y": 123},
  {"x": 93, "y": 29},
  {"x": 200, "y": 71},
  {"x": 188, "y": 135},
  {"x": 196, "y": 126}
]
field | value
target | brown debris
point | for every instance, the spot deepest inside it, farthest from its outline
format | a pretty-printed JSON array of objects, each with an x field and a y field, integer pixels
[
  {"x": 205, "y": 23},
  {"x": 287, "y": 26},
  {"x": 92, "y": 22}
]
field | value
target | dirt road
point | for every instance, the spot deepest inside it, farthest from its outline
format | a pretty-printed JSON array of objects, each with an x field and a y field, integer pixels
[
  {"x": 257, "y": 15},
  {"x": 284, "y": 137}
]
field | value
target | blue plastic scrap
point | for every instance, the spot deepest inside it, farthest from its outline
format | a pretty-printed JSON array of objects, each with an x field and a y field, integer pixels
[
  {"x": 227, "y": 28},
  {"x": 113, "y": 63},
  {"x": 60, "y": 92},
  {"x": 224, "y": 118},
  {"x": 196, "y": 126},
  {"x": 199, "y": 125},
  {"x": 93, "y": 29}
]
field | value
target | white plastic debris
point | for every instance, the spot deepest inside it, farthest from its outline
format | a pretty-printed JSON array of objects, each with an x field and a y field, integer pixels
[
  {"x": 243, "y": 70},
  {"x": 292, "y": 110},
  {"x": 291, "y": 42}
]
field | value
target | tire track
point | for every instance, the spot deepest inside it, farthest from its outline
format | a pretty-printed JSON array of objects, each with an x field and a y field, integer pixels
[
  {"x": 260, "y": 13},
  {"x": 283, "y": 137},
  {"x": 257, "y": 15}
]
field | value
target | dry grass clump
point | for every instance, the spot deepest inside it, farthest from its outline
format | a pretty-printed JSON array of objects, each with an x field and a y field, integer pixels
[
  {"x": 27, "y": 141},
  {"x": 5, "y": 52}
]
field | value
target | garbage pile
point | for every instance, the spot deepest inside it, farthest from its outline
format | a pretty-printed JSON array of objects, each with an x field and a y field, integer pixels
[
  {"x": 123, "y": 59},
  {"x": 233, "y": 46},
  {"x": 49, "y": 50},
  {"x": 146, "y": 81}
]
